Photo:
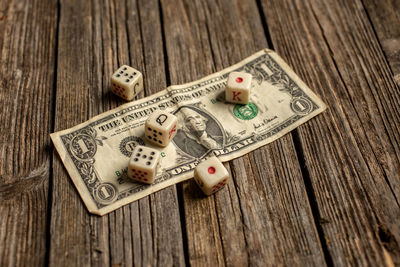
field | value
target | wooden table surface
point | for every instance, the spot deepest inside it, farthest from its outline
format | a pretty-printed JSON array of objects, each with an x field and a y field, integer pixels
[{"x": 328, "y": 193}]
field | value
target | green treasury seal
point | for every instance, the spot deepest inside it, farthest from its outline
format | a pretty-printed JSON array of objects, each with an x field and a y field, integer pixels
[{"x": 245, "y": 112}]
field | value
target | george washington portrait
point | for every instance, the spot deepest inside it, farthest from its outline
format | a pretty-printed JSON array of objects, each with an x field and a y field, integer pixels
[{"x": 198, "y": 132}]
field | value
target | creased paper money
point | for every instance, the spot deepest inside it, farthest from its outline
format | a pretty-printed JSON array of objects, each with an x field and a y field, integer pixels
[{"x": 96, "y": 152}]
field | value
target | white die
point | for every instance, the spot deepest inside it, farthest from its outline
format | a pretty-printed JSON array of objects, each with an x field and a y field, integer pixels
[
  {"x": 161, "y": 128},
  {"x": 238, "y": 88},
  {"x": 127, "y": 82},
  {"x": 211, "y": 175},
  {"x": 143, "y": 164}
]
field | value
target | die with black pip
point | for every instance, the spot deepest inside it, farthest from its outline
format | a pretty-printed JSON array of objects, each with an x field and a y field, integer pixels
[
  {"x": 143, "y": 164},
  {"x": 127, "y": 82},
  {"x": 161, "y": 127}
]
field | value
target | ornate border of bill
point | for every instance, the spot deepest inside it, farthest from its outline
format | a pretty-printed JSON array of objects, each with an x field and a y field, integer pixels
[{"x": 96, "y": 152}]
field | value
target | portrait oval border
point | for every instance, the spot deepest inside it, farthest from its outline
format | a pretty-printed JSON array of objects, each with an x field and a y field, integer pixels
[{"x": 199, "y": 110}]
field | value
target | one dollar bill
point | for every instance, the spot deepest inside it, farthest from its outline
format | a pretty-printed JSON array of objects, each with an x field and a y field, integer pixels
[{"x": 96, "y": 152}]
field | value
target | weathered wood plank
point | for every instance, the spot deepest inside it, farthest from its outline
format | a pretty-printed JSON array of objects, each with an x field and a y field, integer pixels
[
  {"x": 385, "y": 18},
  {"x": 27, "y": 60},
  {"x": 75, "y": 237},
  {"x": 263, "y": 217},
  {"x": 146, "y": 232},
  {"x": 351, "y": 151}
]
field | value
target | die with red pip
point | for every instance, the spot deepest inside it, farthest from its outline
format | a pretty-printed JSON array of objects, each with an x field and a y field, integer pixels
[
  {"x": 211, "y": 175},
  {"x": 238, "y": 87}
]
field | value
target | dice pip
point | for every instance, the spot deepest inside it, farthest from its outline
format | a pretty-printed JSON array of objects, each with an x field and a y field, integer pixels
[
  {"x": 126, "y": 82},
  {"x": 211, "y": 175},
  {"x": 143, "y": 164},
  {"x": 161, "y": 127},
  {"x": 238, "y": 87}
]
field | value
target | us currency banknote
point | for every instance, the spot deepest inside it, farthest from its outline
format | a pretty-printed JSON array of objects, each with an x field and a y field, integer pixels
[{"x": 96, "y": 152}]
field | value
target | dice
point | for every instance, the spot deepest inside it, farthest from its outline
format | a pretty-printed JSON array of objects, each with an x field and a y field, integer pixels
[
  {"x": 161, "y": 127},
  {"x": 238, "y": 88},
  {"x": 143, "y": 164},
  {"x": 211, "y": 175},
  {"x": 126, "y": 82}
]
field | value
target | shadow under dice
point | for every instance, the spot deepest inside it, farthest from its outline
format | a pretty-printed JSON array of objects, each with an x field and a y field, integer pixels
[
  {"x": 161, "y": 127},
  {"x": 126, "y": 82},
  {"x": 238, "y": 87},
  {"x": 143, "y": 164},
  {"x": 211, "y": 175}
]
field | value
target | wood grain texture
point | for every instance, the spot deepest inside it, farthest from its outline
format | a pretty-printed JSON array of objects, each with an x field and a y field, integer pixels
[
  {"x": 385, "y": 18},
  {"x": 351, "y": 151},
  {"x": 146, "y": 232},
  {"x": 326, "y": 194},
  {"x": 27, "y": 59},
  {"x": 168, "y": 247},
  {"x": 263, "y": 217},
  {"x": 76, "y": 239}
]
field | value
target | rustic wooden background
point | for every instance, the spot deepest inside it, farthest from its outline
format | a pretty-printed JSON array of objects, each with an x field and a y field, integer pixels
[{"x": 328, "y": 193}]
